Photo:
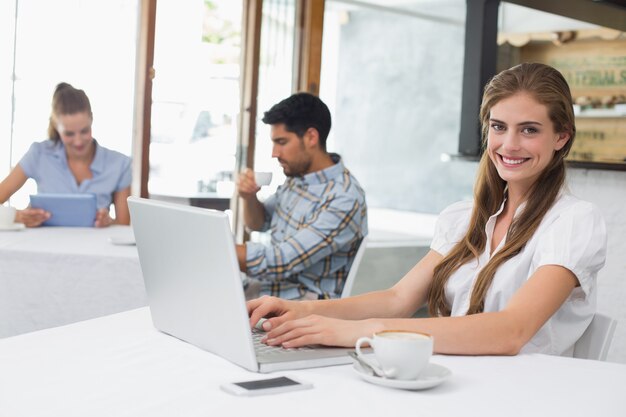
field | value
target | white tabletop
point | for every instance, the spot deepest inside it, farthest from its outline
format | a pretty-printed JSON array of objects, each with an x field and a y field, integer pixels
[
  {"x": 51, "y": 276},
  {"x": 121, "y": 366}
]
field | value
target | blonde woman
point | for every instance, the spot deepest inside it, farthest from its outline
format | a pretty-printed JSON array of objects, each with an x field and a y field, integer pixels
[
  {"x": 71, "y": 161},
  {"x": 512, "y": 271}
]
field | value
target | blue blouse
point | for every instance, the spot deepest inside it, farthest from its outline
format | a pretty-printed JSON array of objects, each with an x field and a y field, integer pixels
[{"x": 46, "y": 163}]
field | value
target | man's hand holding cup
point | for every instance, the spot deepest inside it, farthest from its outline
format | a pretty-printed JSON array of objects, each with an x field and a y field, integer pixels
[{"x": 249, "y": 182}]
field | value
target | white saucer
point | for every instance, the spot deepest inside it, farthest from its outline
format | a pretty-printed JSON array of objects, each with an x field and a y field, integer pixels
[
  {"x": 432, "y": 376},
  {"x": 14, "y": 226}
]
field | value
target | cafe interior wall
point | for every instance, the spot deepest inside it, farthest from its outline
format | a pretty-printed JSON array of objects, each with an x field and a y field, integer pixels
[
  {"x": 398, "y": 112},
  {"x": 607, "y": 190},
  {"x": 397, "y": 108}
]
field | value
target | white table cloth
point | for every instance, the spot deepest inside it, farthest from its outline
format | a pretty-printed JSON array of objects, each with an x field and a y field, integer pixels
[
  {"x": 51, "y": 276},
  {"x": 120, "y": 365}
]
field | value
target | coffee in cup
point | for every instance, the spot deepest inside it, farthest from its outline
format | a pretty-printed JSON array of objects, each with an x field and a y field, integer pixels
[
  {"x": 7, "y": 216},
  {"x": 400, "y": 354},
  {"x": 263, "y": 178}
]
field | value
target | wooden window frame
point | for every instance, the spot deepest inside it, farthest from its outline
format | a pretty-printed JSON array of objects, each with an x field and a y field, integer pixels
[
  {"x": 143, "y": 97},
  {"x": 308, "y": 43},
  {"x": 250, "y": 58}
]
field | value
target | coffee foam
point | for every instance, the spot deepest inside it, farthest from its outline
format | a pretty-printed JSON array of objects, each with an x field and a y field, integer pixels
[{"x": 402, "y": 335}]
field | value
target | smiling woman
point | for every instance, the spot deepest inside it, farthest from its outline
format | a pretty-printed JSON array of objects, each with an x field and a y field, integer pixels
[
  {"x": 512, "y": 271},
  {"x": 71, "y": 161},
  {"x": 521, "y": 140}
]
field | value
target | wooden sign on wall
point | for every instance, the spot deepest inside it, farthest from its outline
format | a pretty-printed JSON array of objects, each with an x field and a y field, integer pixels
[{"x": 596, "y": 73}]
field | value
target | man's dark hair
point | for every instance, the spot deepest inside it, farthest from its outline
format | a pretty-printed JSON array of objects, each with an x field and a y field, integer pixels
[{"x": 300, "y": 112}]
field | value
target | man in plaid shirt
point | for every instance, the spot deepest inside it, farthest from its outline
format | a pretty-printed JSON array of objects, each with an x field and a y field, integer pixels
[{"x": 317, "y": 218}]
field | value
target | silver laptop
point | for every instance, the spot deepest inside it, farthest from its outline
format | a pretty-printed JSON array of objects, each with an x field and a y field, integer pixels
[{"x": 195, "y": 291}]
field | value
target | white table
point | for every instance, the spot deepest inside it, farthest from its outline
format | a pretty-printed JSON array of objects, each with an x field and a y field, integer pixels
[
  {"x": 120, "y": 365},
  {"x": 51, "y": 276}
]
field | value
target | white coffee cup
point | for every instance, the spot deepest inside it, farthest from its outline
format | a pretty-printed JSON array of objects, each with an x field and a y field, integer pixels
[
  {"x": 263, "y": 178},
  {"x": 7, "y": 216},
  {"x": 400, "y": 354}
]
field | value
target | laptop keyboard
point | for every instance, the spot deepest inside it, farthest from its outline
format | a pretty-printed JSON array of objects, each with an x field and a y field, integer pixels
[{"x": 262, "y": 348}]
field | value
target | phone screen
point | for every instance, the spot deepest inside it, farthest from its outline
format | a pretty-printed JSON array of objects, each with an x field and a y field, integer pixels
[{"x": 267, "y": 383}]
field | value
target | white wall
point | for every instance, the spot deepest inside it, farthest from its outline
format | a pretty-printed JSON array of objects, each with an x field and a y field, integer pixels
[
  {"x": 607, "y": 189},
  {"x": 397, "y": 106}
]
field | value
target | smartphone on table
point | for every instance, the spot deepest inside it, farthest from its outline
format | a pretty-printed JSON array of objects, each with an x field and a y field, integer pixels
[{"x": 266, "y": 386}]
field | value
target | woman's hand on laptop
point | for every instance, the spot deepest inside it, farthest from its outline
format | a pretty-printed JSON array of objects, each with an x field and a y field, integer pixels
[
  {"x": 291, "y": 324},
  {"x": 277, "y": 309},
  {"x": 320, "y": 330}
]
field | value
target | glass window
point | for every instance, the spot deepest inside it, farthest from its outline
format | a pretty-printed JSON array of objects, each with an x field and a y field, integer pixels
[
  {"x": 195, "y": 98},
  {"x": 275, "y": 80},
  {"x": 7, "y": 32}
]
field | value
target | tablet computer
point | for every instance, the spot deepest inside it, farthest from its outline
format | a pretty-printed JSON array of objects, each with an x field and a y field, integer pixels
[{"x": 75, "y": 210}]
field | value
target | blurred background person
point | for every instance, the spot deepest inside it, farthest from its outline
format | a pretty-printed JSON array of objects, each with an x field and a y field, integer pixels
[{"x": 71, "y": 161}]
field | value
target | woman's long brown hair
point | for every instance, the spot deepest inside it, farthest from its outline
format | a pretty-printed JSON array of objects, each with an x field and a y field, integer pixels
[
  {"x": 66, "y": 100},
  {"x": 549, "y": 88}
]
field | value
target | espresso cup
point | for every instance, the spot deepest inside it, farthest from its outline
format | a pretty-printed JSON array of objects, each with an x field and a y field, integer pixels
[
  {"x": 263, "y": 178},
  {"x": 7, "y": 216},
  {"x": 400, "y": 354}
]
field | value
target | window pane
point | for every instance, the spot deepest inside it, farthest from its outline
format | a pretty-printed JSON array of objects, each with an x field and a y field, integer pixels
[
  {"x": 195, "y": 98},
  {"x": 72, "y": 41},
  {"x": 275, "y": 79},
  {"x": 392, "y": 77},
  {"x": 7, "y": 30}
]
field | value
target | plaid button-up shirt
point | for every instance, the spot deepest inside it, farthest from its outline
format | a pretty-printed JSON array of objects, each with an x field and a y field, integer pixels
[{"x": 316, "y": 223}]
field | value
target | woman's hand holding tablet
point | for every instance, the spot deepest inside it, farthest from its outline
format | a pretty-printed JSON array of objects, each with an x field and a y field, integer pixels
[{"x": 69, "y": 210}]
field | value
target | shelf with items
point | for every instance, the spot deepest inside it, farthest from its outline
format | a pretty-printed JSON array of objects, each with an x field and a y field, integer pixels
[
  {"x": 618, "y": 110},
  {"x": 596, "y": 74},
  {"x": 600, "y": 143}
]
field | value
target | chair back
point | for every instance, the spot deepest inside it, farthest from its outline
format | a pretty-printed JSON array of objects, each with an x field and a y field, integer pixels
[
  {"x": 596, "y": 340},
  {"x": 347, "y": 286}
]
